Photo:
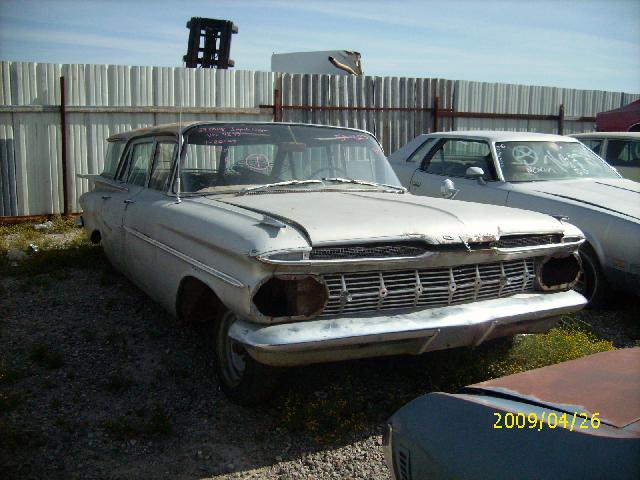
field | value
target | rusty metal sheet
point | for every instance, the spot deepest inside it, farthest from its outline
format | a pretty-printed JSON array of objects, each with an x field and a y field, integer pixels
[{"x": 607, "y": 383}]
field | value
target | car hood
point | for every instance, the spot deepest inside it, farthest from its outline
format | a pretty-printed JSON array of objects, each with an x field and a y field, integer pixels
[
  {"x": 617, "y": 194},
  {"x": 351, "y": 217}
]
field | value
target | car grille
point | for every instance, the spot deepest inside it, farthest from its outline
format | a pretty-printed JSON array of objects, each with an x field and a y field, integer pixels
[
  {"x": 515, "y": 241},
  {"x": 404, "y": 464},
  {"x": 367, "y": 251},
  {"x": 429, "y": 287}
]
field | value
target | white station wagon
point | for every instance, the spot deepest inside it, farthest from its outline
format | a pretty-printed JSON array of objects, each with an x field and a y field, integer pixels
[{"x": 297, "y": 244}]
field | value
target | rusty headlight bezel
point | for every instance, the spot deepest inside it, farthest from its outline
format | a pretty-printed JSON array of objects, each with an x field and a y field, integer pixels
[
  {"x": 558, "y": 273},
  {"x": 291, "y": 297}
]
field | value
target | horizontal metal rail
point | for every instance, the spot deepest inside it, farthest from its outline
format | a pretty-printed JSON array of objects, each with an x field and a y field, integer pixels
[
  {"x": 132, "y": 109},
  {"x": 349, "y": 108}
]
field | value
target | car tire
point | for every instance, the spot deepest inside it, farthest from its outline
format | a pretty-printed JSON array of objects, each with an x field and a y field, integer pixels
[
  {"x": 242, "y": 379},
  {"x": 592, "y": 283}
]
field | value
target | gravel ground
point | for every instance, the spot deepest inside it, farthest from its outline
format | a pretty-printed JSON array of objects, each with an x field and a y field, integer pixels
[
  {"x": 101, "y": 383},
  {"x": 107, "y": 385}
]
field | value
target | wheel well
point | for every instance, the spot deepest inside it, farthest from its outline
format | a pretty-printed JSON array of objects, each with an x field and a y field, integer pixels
[
  {"x": 588, "y": 247},
  {"x": 196, "y": 302},
  {"x": 635, "y": 128}
]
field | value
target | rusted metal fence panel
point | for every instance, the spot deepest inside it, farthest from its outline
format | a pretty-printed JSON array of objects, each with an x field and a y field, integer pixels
[
  {"x": 394, "y": 109},
  {"x": 534, "y": 100},
  {"x": 101, "y": 100}
]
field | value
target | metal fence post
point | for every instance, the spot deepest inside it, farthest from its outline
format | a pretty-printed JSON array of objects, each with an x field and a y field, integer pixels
[
  {"x": 561, "y": 120},
  {"x": 277, "y": 105},
  {"x": 63, "y": 139}
]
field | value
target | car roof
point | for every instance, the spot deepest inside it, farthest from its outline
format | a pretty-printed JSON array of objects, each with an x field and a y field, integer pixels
[
  {"x": 171, "y": 129},
  {"x": 631, "y": 135},
  {"x": 501, "y": 136},
  {"x": 607, "y": 383}
]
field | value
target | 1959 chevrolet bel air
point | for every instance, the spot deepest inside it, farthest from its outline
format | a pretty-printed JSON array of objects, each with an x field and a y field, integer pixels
[{"x": 298, "y": 244}]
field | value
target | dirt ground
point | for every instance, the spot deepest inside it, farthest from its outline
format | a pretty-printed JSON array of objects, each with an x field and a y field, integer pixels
[{"x": 97, "y": 381}]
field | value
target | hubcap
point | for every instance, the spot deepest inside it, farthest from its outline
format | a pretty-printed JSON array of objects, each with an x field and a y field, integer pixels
[{"x": 231, "y": 355}]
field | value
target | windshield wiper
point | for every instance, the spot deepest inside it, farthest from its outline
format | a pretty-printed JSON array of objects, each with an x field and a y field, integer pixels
[
  {"x": 266, "y": 186},
  {"x": 364, "y": 182}
]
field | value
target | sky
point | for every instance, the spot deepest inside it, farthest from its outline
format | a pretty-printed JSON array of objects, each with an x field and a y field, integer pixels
[{"x": 586, "y": 44}]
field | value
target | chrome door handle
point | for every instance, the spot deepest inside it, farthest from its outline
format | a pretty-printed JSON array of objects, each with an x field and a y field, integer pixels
[
  {"x": 129, "y": 201},
  {"x": 106, "y": 197}
]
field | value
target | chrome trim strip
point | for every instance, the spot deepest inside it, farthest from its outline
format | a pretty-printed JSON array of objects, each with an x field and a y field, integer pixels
[
  {"x": 320, "y": 340},
  {"x": 534, "y": 248},
  {"x": 192, "y": 261},
  {"x": 551, "y": 248}
]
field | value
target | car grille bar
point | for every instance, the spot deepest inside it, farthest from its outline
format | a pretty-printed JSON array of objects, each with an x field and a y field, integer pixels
[
  {"x": 430, "y": 287},
  {"x": 515, "y": 241},
  {"x": 367, "y": 251}
]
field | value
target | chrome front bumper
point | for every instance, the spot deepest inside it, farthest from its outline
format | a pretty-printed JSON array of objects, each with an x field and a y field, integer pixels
[{"x": 370, "y": 335}]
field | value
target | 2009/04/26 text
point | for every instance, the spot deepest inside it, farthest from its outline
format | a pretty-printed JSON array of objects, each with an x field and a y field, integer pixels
[{"x": 577, "y": 420}]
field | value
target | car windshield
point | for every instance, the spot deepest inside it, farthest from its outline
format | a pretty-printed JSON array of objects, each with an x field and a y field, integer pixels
[
  {"x": 540, "y": 161},
  {"x": 225, "y": 158}
]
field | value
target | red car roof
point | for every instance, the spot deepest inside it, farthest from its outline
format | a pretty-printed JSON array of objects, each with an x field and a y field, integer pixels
[{"x": 620, "y": 119}]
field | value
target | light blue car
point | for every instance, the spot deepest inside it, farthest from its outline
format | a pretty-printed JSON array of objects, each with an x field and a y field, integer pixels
[{"x": 575, "y": 420}]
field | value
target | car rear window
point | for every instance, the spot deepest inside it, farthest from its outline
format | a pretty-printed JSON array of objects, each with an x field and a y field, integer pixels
[
  {"x": 623, "y": 153},
  {"x": 112, "y": 158}
]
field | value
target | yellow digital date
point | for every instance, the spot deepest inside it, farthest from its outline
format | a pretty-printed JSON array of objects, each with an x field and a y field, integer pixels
[{"x": 577, "y": 420}]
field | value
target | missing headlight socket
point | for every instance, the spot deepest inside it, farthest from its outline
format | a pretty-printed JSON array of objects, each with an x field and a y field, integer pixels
[
  {"x": 291, "y": 296},
  {"x": 558, "y": 273}
]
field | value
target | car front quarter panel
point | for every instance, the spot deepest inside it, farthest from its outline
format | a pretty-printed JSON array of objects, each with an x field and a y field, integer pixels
[{"x": 614, "y": 238}]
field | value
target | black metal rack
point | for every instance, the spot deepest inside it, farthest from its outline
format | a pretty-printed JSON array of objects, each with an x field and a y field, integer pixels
[{"x": 212, "y": 38}]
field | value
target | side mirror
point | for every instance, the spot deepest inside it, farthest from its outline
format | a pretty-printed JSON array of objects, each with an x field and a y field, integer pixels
[
  {"x": 477, "y": 173},
  {"x": 448, "y": 189}
]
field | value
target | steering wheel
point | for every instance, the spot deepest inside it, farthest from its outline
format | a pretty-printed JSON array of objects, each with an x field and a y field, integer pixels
[
  {"x": 328, "y": 169},
  {"x": 524, "y": 154}
]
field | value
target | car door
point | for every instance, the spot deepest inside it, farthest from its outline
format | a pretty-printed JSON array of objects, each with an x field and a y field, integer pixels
[
  {"x": 134, "y": 177},
  {"x": 113, "y": 193},
  {"x": 406, "y": 167},
  {"x": 144, "y": 210},
  {"x": 446, "y": 166}
]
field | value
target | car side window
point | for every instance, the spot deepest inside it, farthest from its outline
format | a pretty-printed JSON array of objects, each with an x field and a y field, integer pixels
[
  {"x": 140, "y": 164},
  {"x": 454, "y": 157},
  {"x": 421, "y": 152},
  {"x": 165, "y": 152},
  {"x": 623, "y": 153},
  {"x": 112, "y": 159},
  {"x": 594, "y": 144}
]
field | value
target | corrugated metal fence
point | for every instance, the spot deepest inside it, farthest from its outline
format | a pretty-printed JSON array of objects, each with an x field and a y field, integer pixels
[{"x": 101, "y": 100}]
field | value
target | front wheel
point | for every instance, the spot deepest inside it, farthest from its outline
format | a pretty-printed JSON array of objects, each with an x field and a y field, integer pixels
[
  {"x": 591, "y": 284},
  {"x": 242, "y": 379}
]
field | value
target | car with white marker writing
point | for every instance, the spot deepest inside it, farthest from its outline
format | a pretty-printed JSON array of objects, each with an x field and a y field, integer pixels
[
  {"x": 552, "y": 174},
  {"x": 298, "y": 245}
]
